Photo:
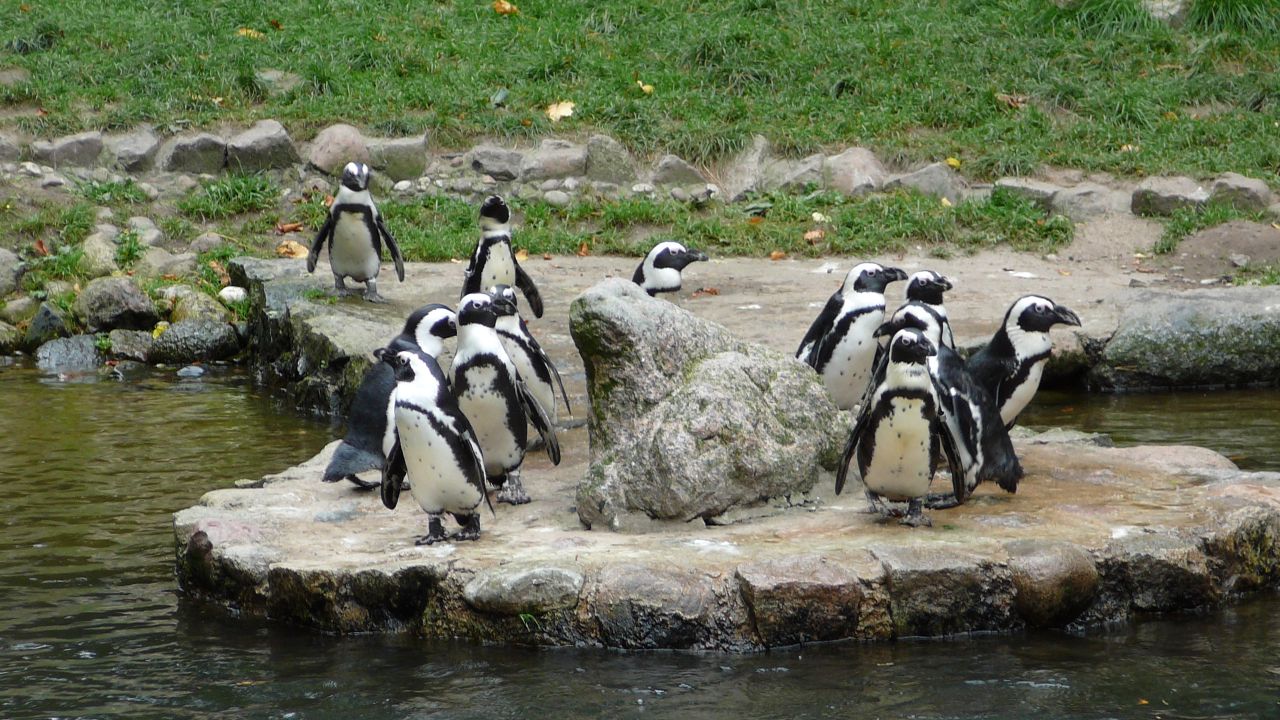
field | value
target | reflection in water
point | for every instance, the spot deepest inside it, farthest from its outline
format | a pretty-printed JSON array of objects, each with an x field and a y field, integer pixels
[{"x": 91, "y": 625}]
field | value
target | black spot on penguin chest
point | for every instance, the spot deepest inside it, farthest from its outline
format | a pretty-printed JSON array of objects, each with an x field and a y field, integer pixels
[
  {"x": 503, "y": 384},
  {"x": 885, "y": 411}
]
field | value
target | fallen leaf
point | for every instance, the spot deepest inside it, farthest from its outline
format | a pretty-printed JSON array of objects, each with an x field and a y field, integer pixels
[
  {"x": 1127, "y": 148},
  {"x": 291, "y": 249},
  {"x": 169, "y": 276},
  {"x": 159, "y": 329},
  {"x": 218, "y": 269},
  {"x": 755, "y": 220},
  {"x": 583, "y": 250},
  {"x": 644, "y": 88},
  {"x": 1143, "y": 701},
  {"x": 1064, "y": 273},
  {"x": 820, "y": 218},
  {"x": 777, "y": 255},
  {"x": 328, "y": 200},
  {"x": 700, "y": 292},
  {"x": 40, "y": 248},
  {"x": 248, "y": 32},
  {"x": 276, "y": 24},
  {"x": 522, "y": 255},
  {"x": 1276, "y": 225},
  {"x": 41, "y": 112},
  {"x": 526, "y": 122},
  {"x": 24, "y": 8},
  {"x": 813, "y": 236},
  {"x": 502, "y": 7},
  {"x": 1017, "y": 102},
  {"x": 560, "y": 110},
  {"x": 953, "y": 163},
  {"x": 379, "y": 37},
  {"x": 285, "y": 228},
  {"x": 546, "y": 256},
  {"x": 946, "y": 202},
  {"x": 1171, "y": 115}
]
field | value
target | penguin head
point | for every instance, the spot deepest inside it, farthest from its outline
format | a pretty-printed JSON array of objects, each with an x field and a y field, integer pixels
[
  {"x": 1033, "y": 313},
  {"x": 355, "y": 176},
  {"x": 674, "y": 255},
  {"x": 660, "y": 271},
  {"x": 504, "y": 300},
  {"x": 910, "y": 346},
  {"x": 927, "y": 286},
  {"x": 916, "y": 316},
  {"x": 494, "y": 214},
  {"x": 477, "y": 309},
  {"x": 429, "y": 326},
  {"x": 404, "y": 364},
  {"x": 871, "y": 277}
]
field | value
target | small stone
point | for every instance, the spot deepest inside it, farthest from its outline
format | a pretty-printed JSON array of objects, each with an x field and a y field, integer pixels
[
  {"x": 1040, "y": 193},
  {"x": 794, "y": 175},
  {"x": 335, "y": 146},
  {"x": 673, "y": 170},
  {"x": 399, "y": 158},
  {"x": 744, "y": 174},
  {"x": 103, "y": 213},
  {"x": 201, "y": 153},
  {"x": 53, "y": 181},
  {"x": 609, "y": 161},
  {"x": 679, "y": 194},
  {"x": 937, "y": 179},
  {"x": 232, "y": 294},
  {"x": 81, "y": 149},
  {"x": 1244, "y": 193},
  {"x": 48, "y": 323},
  {"x": 191, "y": 371},
  {"x": 403, "y": 186},
  {"x": 135, "y": 151},
  {"x": 130, "y": 344},
  {"x": 643, "y": 188},
  {"x": 153, "y": 237},
  {"x": 73, "y": 354},
  {"x": 14, "y": 76},
  {"x": 140, "y": 223},
  {"x": 11, "y": 268},
  {"x": 553, "y": 184},
  {"x": 195, "y": 305},
  {"x": 99, "y": 256},
  {"x": 30, "y": 169},
  {"x": 277, "y": 82},
  {"x": 556, "y": 198},
  {"x": 115, "y": 302},
  {"x": 1160, "y": 196},
  {"x": 1239, "y": 260},
  {"x": 501, "y": 163},
  {"x": 265, "y": 146},
  {"x": 158, "y": 262},
  {"x": 554, "y": 159},
  {"x": 1055, "y": 582},
  {"x": 10, "y": 151},
  {"x": 571, "y": 184},
  {"x": 19, "y": 309},
  {"x": 854, "y": 172},
  {"x": 1170, "y": 12},
  {"x": 1089, "y": 200},
  {"x": 151, "y": 191},
  {"x": 509, "y": 590}
]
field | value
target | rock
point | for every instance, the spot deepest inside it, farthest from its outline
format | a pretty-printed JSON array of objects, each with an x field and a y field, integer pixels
[
  {"x": 795, "y": 175},
  {"x": 81, "y": 149},
  {"x": 158, "y": 262},
  {"x": 115, "y": 302},
  {"x": 1150, "y": 572},
  {"x": 53, "y": 181},
  {"x": 73, "y": 354},
  {"x": 805, "y": 598},
  {"x": 99, "y": 256},
  {"x": 936, "y": 179},
  {"x": 206, "y": 242},
  {"x": 643, "y": 189},
  {"x": 14, "y": 76},
  {"x": 191, "y": 371},
  {"x": 404, "y": 186},
  {"x": 501, "y": 163},
  {"x": 646, "y": 607},
  {"x": 151, "y": 191},
  {"x": 195, "y": 305},
  {"x": 335, "y": 146},
  {"x": 1243, "y": 193},
  {"x": 609, "y": 161},
  {"x": 1197, "y": 338},
  {"x": 195, "y": 340},
  {"x": 745, "y": 173},
  {"x": 557, "y": 198},
  {"x": 130, "y": 344},
  {"x": 232, "y": 294},
  {"x": 399, "y": 158},
  {"x": 1162, "y": 195},
  {"x": 10, "y": 150},
  {"x": 30, "y": 169},
  {"x": 854, "y": 172},
  {"x": 133, "y": 151},
  {"x": 18, "y": 310},
  {"x": 265, "y": 146},
  {"x": 11, "y": 268},
  {"x": 679, "y": 194},
  {"x": 1170, "y": 12},
  {"x": 1089, "y": 200},
  {"x": 685, "y": 421},
  {"x": 1055, "y": 581},
  {"x": 202, "y": 153},
  {"x": 10, "y": 339},
  {"x": 1040, "y": 193},
  {"x": 48, "y": 323},
  {"x": 277, "y": 82},
  {"x": 672, "y": 170},
  {"x": 940, "y": 590},
  {"x": 554, "y": 159},
  {"x": 535, "y": 590}
]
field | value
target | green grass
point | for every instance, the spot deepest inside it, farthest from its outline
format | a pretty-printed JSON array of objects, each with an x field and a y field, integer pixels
[
  {"x": 1188, "y": 221},
  {"x": 112, "y": 194},
  {"x": 1004, "y": 85},
  {"x": 230, "y": 196},
  {"x": 1258, "y": 275},
  {"x": 129, "y": 249}
]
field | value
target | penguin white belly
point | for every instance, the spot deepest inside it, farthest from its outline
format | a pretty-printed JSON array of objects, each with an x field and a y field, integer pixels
[
  {"x": 542, "y": 392},
  {"x": 352, "y": 252},
  {"x": 435, "y": 479},
  {"x": 900, "y": 465},
  {"x": 1022, "y": 394},
  {"x": 486, "y": 409},
  {"x": 847, "y": 372},
  {"x": 500, "y": 269}
]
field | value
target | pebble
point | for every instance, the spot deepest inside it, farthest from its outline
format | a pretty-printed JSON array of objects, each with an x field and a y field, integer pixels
[
  {"x": 549, "y": 184},
  {"x": 191, "y": 371},
  {"x": 679, "y": 194},
  {"x": 403, "y": 186},
  {"x": 643, "y": 188},
  {"x": 571, "y": 184},
  {"x": 30, "y": 169},
  {"x": 232, "y": 294},
  {"x": 151, "y": 191},
  {"x": 53, "y": 182},
  {"x": 556, "y": 198},
  {"x": 103, "y": 213}
]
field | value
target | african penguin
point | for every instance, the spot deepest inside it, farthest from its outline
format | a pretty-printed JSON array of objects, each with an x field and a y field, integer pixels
[
  {"x": 1010, "y": 366},
  {"x": 660, "y": 270},
  {"x": 493, "y": 262},
  {"x": 355, "y": 232},
  {"x": 839, "y": 344},
  {"x": 370, "y": 421},
  {"x": 435, "y": 448},
  {"x": 495, "y": 399},
  {"x": 927, "y": 286},
  {"x": 967, "y": 412},
  {"x": 532, "y": 364},
  {"x": 893, "y": 437}
]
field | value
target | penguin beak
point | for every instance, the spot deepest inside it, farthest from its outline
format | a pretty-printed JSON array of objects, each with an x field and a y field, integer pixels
[
  {"x": 503, "y": 307},
  {"x": 943, "y": 283},
  {"x": 448, "y": 328},
  {"x": 382, "y": 355},
  {"x": 893, "y": 274},
  {"x": 885, "y": 330},
  {"x": 1065, "y": 316},
  {"x": 697, "y": 255}
]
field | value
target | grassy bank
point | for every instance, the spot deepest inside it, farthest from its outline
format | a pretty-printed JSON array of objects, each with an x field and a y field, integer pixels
[{"x": 1004, "y": 85}]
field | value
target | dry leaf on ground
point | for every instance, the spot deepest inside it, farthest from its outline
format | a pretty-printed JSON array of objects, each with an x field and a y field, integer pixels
[
  {"x": 284, "y": 228},
  {"x": 249, "y": 33},
  {"x": 777, "y": 255},
  {"x": 560, "y": 110},
  {"x": 291, "y": 249},
  {"x": 705, "y": 291},
  {"x": 522, "y": 255},
  {"x": 953, "y": 163},
  {"x": 502, "y": 7},
  {"x": 814, "y": 236},
  {"x": 1016, "y": 102},
  {"x": 218, "y": 269},
  {"x": 645, "y": 88},
  {"x": 583, "y": 250}
]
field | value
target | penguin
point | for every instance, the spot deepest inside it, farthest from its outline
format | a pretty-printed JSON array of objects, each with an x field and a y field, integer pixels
[
  {"x": 1010, "y": 366},
  {"x": 435, "y": 447},
  {"x": 967, "y": 412},
  {"x": 355, "y": 232},
  {"x": 927, "y": 286},
  {"x": 370, "y": 421},
  {"x": 493, "y": 262},
  {"x": 532, "y": 364},
  {"x": 495, "y": 399},
  {"x": 839, "y": 344},
  {"x": 660, "y": 271},
  {"x": 893, "y": 440}
]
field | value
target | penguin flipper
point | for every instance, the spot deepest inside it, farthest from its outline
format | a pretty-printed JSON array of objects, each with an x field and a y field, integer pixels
[
  {"x": 393, "y": 474},
  {"x": 472, "y": 447},
  {"x": 851, "y": 446},
  {"x": 326, "y": 231},
  {"x": 820, "y": 327},
  {"x": 525, "y": 283},
  {"x": 538, "y": 418},
  {"x": 392, "y": 247},
  {"x": 349, "y": 460},
  {"x": 546, "y": 360},
  {"x": 958, "y": 485}
]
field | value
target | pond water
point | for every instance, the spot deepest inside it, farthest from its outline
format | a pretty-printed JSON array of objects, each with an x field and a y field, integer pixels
[{"x": 91, "y": 625}]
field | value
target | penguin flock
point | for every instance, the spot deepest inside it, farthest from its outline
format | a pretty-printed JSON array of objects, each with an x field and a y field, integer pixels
[{"x": 451, "y": 438}]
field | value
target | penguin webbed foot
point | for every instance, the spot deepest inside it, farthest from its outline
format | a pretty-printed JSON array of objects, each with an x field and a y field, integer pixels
[
  {"x": 340, "y": 287},
  {"x": 362, "y": 485},
  {"x": 877, "y": 506},
  {"x": 915, "y": 516},
  {"x": 435, "y": 532},
  {"x": 941, "y": 501},
  {"x": 371, "y": 293},
  {"x": 470, "y": 527},
  {"x": 511, "y": 490}
]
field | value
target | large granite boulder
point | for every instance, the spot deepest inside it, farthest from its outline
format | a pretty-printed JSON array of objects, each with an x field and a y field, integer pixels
[
  {"x": 200, "y": 153},
  {"x": 265, "y": 146},
  {"x": 335, "y": 146},
  {"x": 49, "y": 322},
  {"x": 81, "y": 149},
  {"x": 10, "y": 271},
  {"x": 686, "y": 421},
  {"x": 1195, "y": 338},
  {"x": 115, "y": 302},
  {"x": 193, "y": 341},
  {"x": 133, "y": 151},
  {"x": 609, "y": 161},
  {"x": 72, "y": 354}
]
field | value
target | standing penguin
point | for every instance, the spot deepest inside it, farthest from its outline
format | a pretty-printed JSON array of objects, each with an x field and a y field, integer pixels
[
  {"x": 493, "y": 262},
  {"x": 355, "y": 232},
  {"x": 435, "y": 448},
  {"x": 839, "y": 344},
  {"x": 532, "y": 364},
  {"x": 927, "y": 286},
  {"x": 660, "y": 270},
  {"x": 370, "y": 421},
  {"x": 495, "y": 399},
  {"x": 1010, "y": 366},
  {"x": 893, "y": 438}
]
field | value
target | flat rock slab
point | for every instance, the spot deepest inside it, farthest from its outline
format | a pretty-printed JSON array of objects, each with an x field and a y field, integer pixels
[{"x": 1093, "y": 535}]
